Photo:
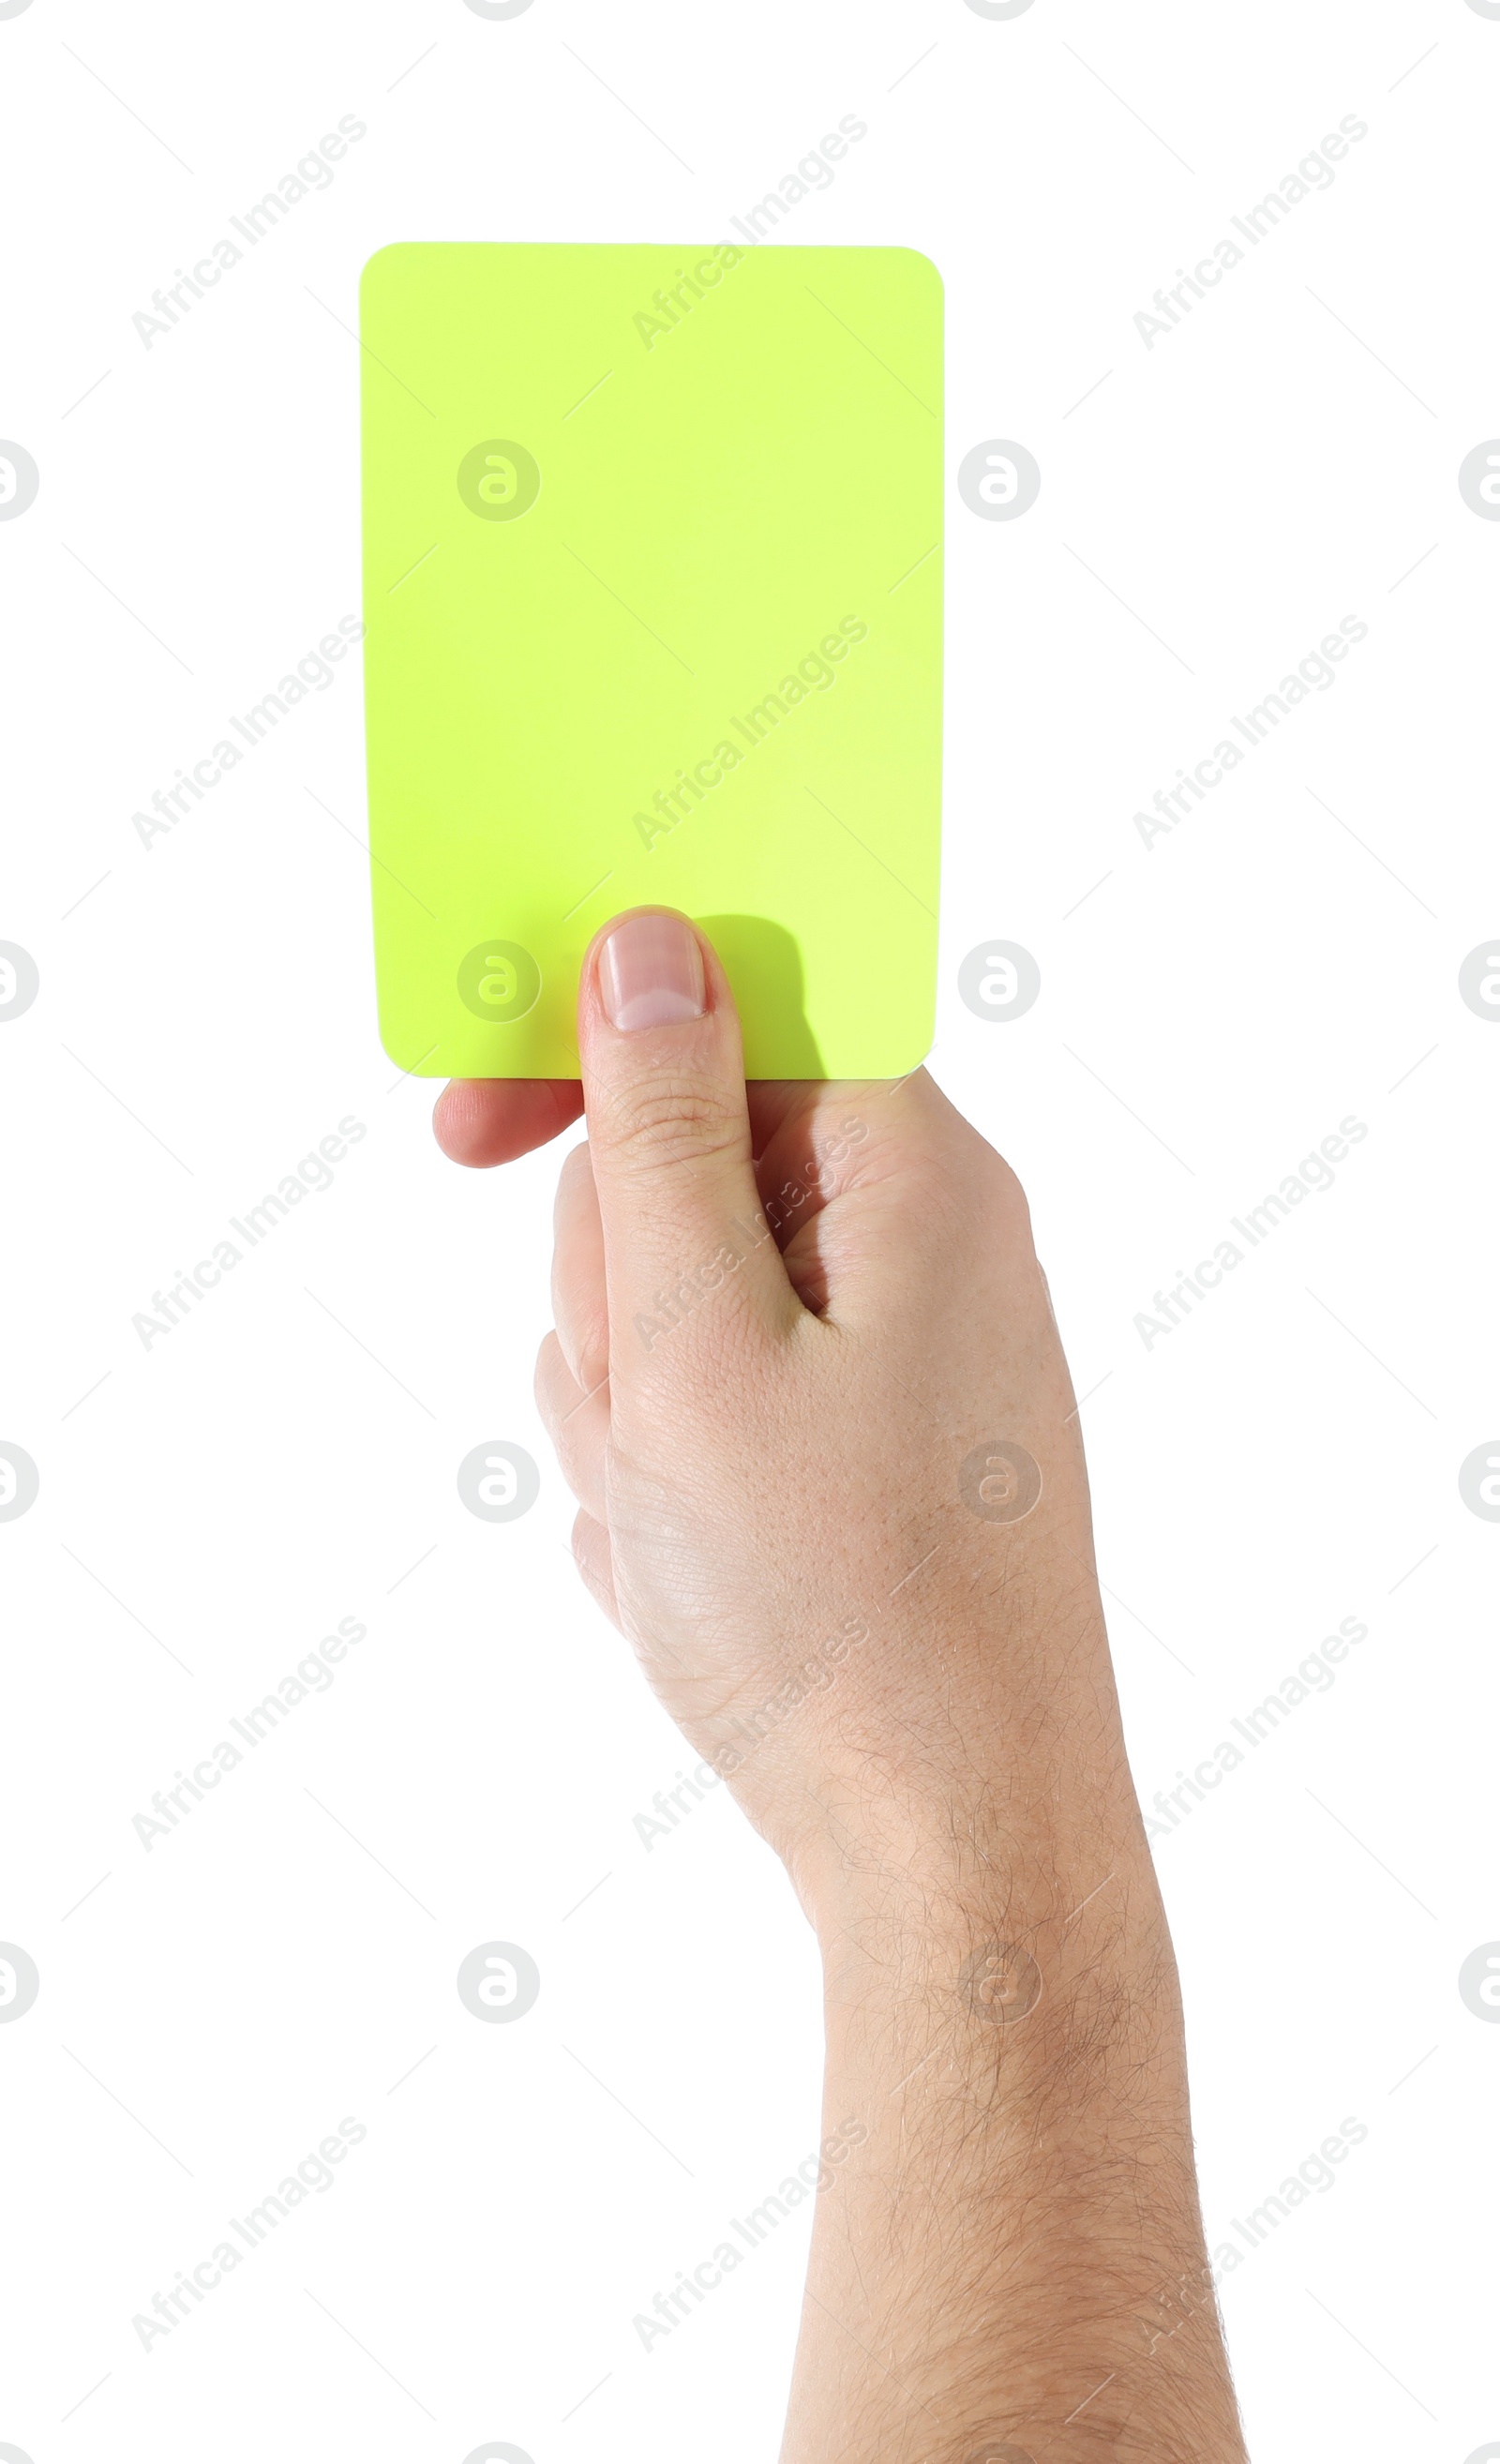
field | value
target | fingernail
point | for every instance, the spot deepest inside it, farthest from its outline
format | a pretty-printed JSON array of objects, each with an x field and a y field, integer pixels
[{"x": 651, "y": 972}]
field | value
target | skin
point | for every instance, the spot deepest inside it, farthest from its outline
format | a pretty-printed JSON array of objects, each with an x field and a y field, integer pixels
[{"x": 788, "y": 1316}]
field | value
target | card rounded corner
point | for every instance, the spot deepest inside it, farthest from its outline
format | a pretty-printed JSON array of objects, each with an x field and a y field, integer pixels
[
  {"x": 387, "y": 249},
  {"x": 918, "y": 1051},
  {"x": 932, "y": 267},
  {"x": 407, "y": 1069}
]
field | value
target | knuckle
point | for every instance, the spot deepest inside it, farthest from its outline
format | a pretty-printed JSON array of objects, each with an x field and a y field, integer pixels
[
  {"x": 1005, "y": 1191},
  {"x": 544, "y": 1376},
  {"x": 577, "y": 1170},
  {"x": 667, "y": 1121},
  {"x": 591, "y": 1344},
  {"x": 573, "y": 1461}
]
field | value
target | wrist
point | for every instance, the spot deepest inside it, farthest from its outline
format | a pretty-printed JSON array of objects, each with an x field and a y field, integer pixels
[
  {"x": 917, "y": 1861},
  {"x": 1011, "y": 1973}
]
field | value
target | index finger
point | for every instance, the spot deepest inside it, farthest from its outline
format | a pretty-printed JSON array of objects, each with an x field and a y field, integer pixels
[{"x": 484, "y": 1121}]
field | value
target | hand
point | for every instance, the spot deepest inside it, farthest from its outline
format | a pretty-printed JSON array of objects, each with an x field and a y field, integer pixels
[
  {"x": 787, "y": 1318},
  {"x": 808, "y": 1389}
]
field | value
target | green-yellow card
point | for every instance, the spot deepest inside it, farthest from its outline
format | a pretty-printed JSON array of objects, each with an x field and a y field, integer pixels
[{"x": 654, "y": 610}]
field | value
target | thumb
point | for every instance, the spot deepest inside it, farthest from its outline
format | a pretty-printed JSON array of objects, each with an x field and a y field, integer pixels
[{"x": 670, "y": 1134}]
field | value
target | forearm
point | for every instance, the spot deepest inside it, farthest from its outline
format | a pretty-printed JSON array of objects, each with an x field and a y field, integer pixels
[{"x": 1011, "y": 2258}]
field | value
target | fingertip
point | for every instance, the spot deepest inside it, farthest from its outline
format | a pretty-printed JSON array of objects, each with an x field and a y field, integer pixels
[
  {"x": 650, "y": 967},
  {"x": 481, "y": 1122}
]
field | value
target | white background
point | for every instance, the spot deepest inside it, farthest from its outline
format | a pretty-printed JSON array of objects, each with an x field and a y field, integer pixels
[{"x": 1288, "y": 1457}]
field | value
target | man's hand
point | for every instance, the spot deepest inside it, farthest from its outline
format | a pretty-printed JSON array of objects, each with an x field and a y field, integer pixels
[{"x": 807, "y": 1388}]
